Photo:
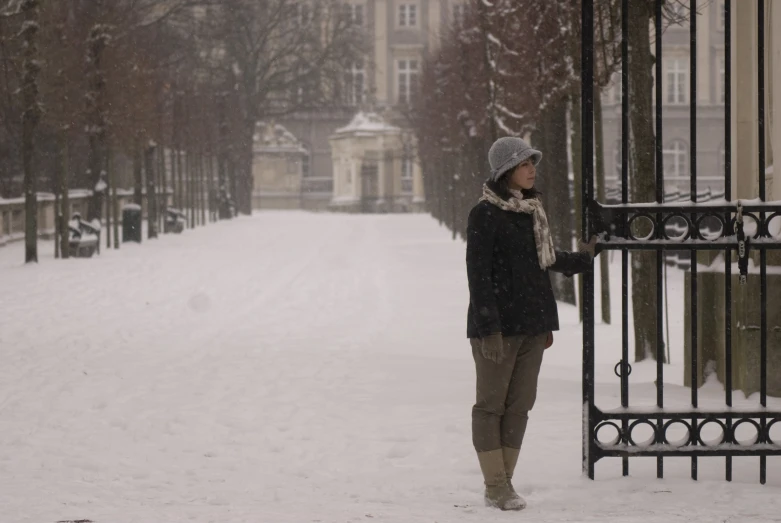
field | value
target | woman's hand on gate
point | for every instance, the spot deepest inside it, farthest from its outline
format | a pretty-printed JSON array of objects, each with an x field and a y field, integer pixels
[{"x": 589, "y": 247}]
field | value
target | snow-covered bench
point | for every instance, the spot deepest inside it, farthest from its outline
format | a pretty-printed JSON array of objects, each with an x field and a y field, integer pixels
[
  {"x": 175, "y": 220},
  {"x": 84, "y": 238}
]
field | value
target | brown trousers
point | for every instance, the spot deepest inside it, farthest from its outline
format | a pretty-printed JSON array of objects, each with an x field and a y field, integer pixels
[{"x": 506, "y": 392}]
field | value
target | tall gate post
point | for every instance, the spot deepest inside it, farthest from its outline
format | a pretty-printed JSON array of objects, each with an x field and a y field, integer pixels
[{"x": 587, "y": 108}]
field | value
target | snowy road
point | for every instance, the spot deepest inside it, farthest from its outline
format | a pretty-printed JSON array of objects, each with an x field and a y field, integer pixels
[{"x": 294, "y": 367}]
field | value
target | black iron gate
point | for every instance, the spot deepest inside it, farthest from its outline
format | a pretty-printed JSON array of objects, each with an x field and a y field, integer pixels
[{"x": 616, "y": 224}]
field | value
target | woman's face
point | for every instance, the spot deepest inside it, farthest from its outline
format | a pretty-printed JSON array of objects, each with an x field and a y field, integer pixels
[{"x": 523, "y": 176}]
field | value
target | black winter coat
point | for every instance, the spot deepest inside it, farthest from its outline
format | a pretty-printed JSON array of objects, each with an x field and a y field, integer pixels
[{"x": 508, "y": 291}]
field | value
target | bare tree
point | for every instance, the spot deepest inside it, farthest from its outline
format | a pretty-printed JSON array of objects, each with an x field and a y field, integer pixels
[
  {"x": 30, "y": 119},
  {"x": 281, "y": 56},
  {"x": 485, "y": 82},
  {"x": 10, "y": 108},
  {"x": 97, "y": 132}
]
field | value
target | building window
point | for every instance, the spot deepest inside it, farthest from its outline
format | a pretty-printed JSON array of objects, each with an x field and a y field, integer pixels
[
  {"x": 407, "y": 173},
  {"x": 408, "y": 77},
  {"x": 677, "y": 76},
  {"x": 459, "y": 14},
  {"x": 676, "y": 161},
  {"x": 355, "y": 14},
  {"x": 305, "y": 166},
  {"x": 305, "y": 14},
  {"x": 303, "y": 90},
  {"x": 408, "y": 15},
  {"x": 356, "y": 84},
  {"x": 722, "y": 159},
  {"x": 721, "y": 14},
  {"x": 722, "y": 86}
]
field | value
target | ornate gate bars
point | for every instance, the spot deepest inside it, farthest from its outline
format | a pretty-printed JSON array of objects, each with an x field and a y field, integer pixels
[{"x": 732, "y": 236}]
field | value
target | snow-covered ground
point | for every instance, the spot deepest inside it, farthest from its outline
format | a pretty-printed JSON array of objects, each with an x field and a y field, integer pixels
[{"x": 294, "y": 367}]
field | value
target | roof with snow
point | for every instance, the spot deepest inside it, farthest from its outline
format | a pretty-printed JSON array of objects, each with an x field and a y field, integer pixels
[{"x": 367, "y": 124}]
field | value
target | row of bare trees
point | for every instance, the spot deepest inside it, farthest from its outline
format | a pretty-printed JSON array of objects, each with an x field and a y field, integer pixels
[
  {"x": 175, "y": 87},
  {"x": 512, "y": 67}
]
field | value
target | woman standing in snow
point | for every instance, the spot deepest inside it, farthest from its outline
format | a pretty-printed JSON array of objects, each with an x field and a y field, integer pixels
[{"x": 512, "y": 310}]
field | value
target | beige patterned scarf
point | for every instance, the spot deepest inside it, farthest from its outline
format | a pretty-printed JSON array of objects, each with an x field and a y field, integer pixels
[{"x": 542, "y": 238}]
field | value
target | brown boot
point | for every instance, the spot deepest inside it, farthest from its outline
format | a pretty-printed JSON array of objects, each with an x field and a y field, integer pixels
[
  {"x": 498, "y": 492},
  {"x": 510, "y": 456}
]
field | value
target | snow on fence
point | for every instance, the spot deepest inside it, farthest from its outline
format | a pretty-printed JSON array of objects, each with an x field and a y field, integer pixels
[{"x": 12, "y": 212}]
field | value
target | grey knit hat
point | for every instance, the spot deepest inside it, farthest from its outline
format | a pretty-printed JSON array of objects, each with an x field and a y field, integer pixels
[{"x": 507, "y": 153}]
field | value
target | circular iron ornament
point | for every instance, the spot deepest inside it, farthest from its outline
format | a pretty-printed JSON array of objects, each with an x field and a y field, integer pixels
[
  {"x": 769, "y": 426},
  {"x": 682, "y": 216},
  {"x": 775, "y": 215},
  {"x": 614, "y": 441},
  {"x": 750, "y": 422},
  {"x": 722, "y": 224},
  {"x": 647, "y": 443},
  {"x": 628, "y": 369},
  {"x": 683, "y": 441},
  {"x": 756, "y": 221},
  {"x": 651, "y": 222},
  {"x": 712, "y": 443}
]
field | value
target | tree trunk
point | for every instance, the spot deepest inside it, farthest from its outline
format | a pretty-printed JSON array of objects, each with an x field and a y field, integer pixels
[
  {"x": 226, "y": 196},
  {"x": 30, "y": 118},
  {"x": 173, "y": 179},
  {"x": 191, "y": 186},
  {"x": 490, "y": 66},
  {"x": 188, "y": 175},
  {"x": 193, "y": 170},
  {"x": 57, "y": 227},
  {"x": 641, "y": 63},
  {"x": 109, "y": 187},
  {"x": 577, "y": 170},
  {"x": 202, "y": 187},
  {"x": 199, "y": 192},
  {"x": 151, "y": 200},
  {"x": 138, "y": 173},
  {"x": 95, "y": 207},
  {"x": 232, "y": 181},
  {"x": 65, "y": 212},
  {"x": 554, "y": 184},
  {"x": 175, "y": 166},
  {"x": 244, "y": 180},
  {"x": 189, "y": 164},
  {"x": 223, "y": 194},
  {"x": 600, "y": 154},
  {"x": 98, "y": 40},
  {"x": 210, "y": 192},
  {"x": 114, "y": 200},
  {"x": 180, "y": 191},
  {"x": 161, "y": 180},
  {"x": 161, "y": 186}
]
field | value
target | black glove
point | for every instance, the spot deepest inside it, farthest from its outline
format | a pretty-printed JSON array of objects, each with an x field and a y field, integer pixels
[{"x": 492, "y": 347}]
